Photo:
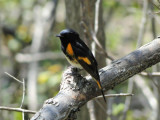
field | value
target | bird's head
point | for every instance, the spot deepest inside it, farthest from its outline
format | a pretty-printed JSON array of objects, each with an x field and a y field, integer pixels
[{"x": 68, "y": 34}]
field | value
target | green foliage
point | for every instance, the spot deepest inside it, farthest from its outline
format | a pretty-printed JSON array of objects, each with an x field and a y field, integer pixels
[
  {"x": 113, "y": 39},
  {"x": 117, "y": 109},
  {"x": 49, "y": 80},
  {"x": 17, "y": 116},
  {"x": 131, "y": 116},
  {"x": 110, "y": 3},
  {"x": 14, "y": 45}
]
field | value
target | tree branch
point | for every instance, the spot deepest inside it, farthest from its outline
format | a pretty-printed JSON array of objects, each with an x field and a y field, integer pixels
[
  {"x": 75, "y": 90},
  {"x": 116, "y": 95},
  {"x": 27, "y": 58},
  {"x": 17, "y": 109},
  {"x": 150, "y": 74}
]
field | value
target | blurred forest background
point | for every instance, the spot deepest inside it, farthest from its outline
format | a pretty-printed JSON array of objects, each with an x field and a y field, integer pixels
[{"x": 30, "y": 50}]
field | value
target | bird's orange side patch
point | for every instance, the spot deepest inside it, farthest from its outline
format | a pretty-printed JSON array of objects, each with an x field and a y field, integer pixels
[
  {"x": 85, "y": 59},
  {"x": 69, "y": 49},
  {"x": 98, "y": 84}
]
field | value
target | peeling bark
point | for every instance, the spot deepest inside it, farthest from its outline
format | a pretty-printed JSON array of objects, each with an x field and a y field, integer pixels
[{"x": 76, "y": 90}]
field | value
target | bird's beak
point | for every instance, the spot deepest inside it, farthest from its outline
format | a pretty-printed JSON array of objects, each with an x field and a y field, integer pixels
[{"x": 58, "y": 35}]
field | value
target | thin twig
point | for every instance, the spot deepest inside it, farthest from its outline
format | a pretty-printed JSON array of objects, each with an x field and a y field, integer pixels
[
  {"x": 23, "y": 93},
  {"x": 96, "y": 16},
  {"x": 150, "y": 74},
  {"x": 97, "y": 42},
  {"x": 23, "y": 83},
  {"x": 117, "y": 95},
  {"x": 13, "y": 77},
  {"x": 143, "y": 23},
  {"x": 17, "y": 109},
  {"x": 100, "y": 46}
]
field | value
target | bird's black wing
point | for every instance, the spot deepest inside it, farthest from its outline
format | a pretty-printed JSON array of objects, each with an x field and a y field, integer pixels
[{"x": 85, "y": 58}]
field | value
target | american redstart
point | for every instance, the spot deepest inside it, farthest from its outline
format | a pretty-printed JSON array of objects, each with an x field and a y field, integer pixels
[{"x": 78, "y": 54}]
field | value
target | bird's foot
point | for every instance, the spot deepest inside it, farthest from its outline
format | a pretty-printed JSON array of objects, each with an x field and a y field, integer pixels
[{"x": 75, "y": 71}]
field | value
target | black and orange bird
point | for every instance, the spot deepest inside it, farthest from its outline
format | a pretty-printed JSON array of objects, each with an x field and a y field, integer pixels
[{"x": 79, "y": 55}]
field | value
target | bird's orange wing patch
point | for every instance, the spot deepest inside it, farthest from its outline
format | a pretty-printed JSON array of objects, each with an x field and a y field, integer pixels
[
  {"x": 69, "y": 49},
  {"x": 85, "y": 59}
]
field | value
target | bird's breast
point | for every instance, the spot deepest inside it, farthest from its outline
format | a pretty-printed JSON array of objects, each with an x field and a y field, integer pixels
[{"x": 69, "y": 53}]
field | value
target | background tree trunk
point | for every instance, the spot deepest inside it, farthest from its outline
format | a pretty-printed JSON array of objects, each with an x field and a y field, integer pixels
[
  {"x": 43, "y": 25},
  {"x": 80, "y": 14},
  {"x": 73, "y": 20}
]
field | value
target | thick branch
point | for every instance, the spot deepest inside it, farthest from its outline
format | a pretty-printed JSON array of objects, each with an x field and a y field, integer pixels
[{"x": 75, "y": 90}]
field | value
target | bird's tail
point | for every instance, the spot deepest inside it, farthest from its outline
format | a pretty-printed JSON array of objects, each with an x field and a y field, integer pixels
[{"x": 100, "y": 87}]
